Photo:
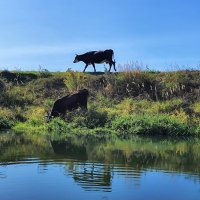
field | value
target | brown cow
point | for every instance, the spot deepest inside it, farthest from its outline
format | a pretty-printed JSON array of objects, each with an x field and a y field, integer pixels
[{"x": 69, "y": 102}]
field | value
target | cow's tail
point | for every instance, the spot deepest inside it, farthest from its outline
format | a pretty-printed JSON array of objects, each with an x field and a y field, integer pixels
[
  {"x": 113, "y": 55},
  {"x": 113, "y": 58}
]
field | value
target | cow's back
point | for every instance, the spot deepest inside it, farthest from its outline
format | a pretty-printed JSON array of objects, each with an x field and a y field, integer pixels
[
  {"x": 70, "y": 102},
  {"x": 103, "y": 56},
  {"x": 87, "y": 57}
]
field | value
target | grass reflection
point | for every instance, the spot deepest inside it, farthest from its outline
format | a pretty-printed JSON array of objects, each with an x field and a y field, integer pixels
[{"x": 177, "y": 154}]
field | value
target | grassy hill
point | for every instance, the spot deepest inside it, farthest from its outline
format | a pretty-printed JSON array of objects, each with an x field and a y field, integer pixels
[{"x": 125, "y": 103}]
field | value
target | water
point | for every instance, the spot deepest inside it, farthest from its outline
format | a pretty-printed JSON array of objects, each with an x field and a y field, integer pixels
[{"x": 36, "y": 167}]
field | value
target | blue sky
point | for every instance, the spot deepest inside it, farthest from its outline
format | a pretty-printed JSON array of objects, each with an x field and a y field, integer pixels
[{"x": 159, "y": 33}]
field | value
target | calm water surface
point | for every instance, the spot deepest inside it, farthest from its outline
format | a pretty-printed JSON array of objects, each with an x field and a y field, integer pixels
[{"x": 36, "y": 167}]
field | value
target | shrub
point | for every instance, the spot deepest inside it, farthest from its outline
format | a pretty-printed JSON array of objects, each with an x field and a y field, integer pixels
[
  {"x": 75, "y": 80},
  {"x": 90, "y": 119},
  {"x": 16, "y": 96},
  {"x": 167, "y": 106},
  {"x": 59, "y": 126},
  {"x": 126, "y": 106},
  {"x": 52, "y": 87},
  {"x": 149, "y": 125},
  {"x": 6, "y": 123},
  {"x": 95, "y": 119}
]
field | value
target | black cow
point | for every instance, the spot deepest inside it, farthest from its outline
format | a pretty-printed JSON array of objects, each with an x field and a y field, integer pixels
[
  {"x": 69, "y": 102},
  {"x": 92, "y": 57}
]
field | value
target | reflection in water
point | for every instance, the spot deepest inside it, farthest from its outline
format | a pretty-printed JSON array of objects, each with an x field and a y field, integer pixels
[
  {"x": 93, "y": 164},
  {"x": 69, "y": 150},
  {"x": 2, "y": 174},
  {"x": 93, "y": 176}
]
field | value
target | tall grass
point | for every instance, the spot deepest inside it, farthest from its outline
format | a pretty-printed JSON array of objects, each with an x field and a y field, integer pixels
[
  {"x": 143, "y": 101},
  {"x": 75, "y": 80}
]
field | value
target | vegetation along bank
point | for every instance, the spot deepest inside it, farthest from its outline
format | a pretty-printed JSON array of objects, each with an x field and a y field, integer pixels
[{"x": 120, "y": 104}]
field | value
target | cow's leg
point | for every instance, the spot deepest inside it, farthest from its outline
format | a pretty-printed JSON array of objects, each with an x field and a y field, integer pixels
[
  {"x": 94, "y": 67},
  {"x": 113, "y": 62},
  {"x": 110, "y": 64},
  {"x": 85, "y": 67}
]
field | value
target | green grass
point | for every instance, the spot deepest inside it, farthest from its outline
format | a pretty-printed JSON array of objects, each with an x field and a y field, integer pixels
[
  {"x": 121, "y": 104},
  {"x": 150, "y": 125}
]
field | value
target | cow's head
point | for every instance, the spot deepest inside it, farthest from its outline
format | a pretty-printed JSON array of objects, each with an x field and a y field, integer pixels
[
  {"x": 83, "y": 91},
  {"x": 51, "y": 116},
  {"x": 48, "y": 117},
  {"x": 76, "y": 59}
]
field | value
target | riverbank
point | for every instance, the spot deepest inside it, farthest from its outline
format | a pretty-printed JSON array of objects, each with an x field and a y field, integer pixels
[{"x": 120, "y": 104}]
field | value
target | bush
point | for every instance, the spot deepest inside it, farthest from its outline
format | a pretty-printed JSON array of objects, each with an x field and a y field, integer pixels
[
  {"x": 52, "y": 87},
  {"x": 95, "y": 119},
  {"x": 75, "y": 80},
  {"x": 127, "y": 106},
  {"x": 6, "y": 123},
  {"x": 149, "y": 125},
  {"x": 90, "y": 119},
  {"x": 59, "y": 126}
]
